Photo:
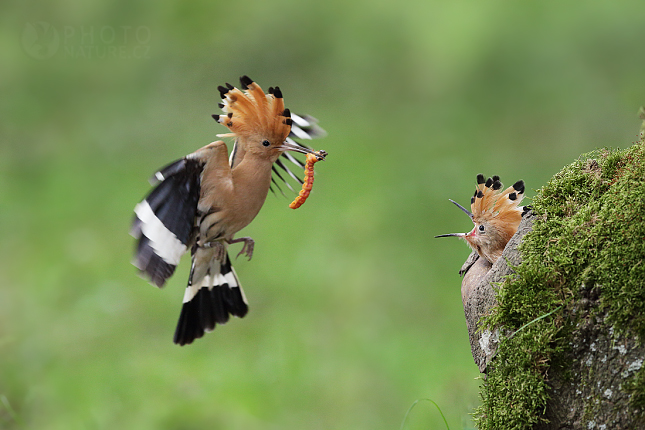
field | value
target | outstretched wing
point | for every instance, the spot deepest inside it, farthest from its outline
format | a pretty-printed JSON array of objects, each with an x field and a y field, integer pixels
[{"x": 165, "y": 219}]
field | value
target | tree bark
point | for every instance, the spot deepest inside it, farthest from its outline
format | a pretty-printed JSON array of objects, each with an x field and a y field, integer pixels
[
  {"x": 478, "y": 295},
  {"x": 588, "y": 385}
]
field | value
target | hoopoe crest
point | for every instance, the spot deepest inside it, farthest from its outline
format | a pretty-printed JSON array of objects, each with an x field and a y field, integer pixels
[
  {"x": 252, "y": 115},
  {"x": 202, "y": 200},
  {"x": 496, "y": 215}
]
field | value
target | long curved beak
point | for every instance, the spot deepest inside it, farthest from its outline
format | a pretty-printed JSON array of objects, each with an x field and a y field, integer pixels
[{"x": 292, "y": 146}]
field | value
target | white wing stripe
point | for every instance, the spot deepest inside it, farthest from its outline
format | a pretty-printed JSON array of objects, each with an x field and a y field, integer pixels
[
  {"x": 300, "y": 133},
  {"x": 163, "y": 241},
  {"x": 300, "y": 120}
]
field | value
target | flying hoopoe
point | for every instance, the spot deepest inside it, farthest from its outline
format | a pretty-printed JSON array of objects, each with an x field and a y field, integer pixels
[
  {"x": 202, "y": 200},
  {"x": 496, "y": 215}
]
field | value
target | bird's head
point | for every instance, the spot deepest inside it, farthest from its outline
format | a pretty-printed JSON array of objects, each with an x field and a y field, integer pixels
[
  {"x": 259, "y": 122},
  {"x": 495, "y": 214}
]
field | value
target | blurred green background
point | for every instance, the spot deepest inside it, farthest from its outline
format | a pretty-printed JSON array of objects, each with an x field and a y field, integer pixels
[{"x": 355, "y": 309}]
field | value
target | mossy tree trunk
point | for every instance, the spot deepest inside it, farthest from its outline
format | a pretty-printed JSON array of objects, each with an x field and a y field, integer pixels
[{"x": 557, "y": 324}]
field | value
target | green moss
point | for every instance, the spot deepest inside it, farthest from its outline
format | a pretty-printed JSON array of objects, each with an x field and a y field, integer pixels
[
  {"x": 636, "y": 387},
  {"x": 589, "y": 233}
]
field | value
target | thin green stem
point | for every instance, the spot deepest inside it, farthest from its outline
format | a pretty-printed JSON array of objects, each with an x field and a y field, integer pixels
[
  {"x": 405, "y": 418},
  {"x": 535, "y": 320}
]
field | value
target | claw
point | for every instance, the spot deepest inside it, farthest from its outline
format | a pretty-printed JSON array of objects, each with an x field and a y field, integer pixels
[{"x": 247, "y": 248}]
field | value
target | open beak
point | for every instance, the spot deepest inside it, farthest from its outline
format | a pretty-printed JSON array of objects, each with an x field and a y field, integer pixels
[
  {"x": 452, "y": 234},
  {"x": 467, "y": 212}
]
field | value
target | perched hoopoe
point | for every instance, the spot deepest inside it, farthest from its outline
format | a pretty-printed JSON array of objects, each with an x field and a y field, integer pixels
[
  {"x": 203, "y": 199},
  {"x": 496, "y": 215}
]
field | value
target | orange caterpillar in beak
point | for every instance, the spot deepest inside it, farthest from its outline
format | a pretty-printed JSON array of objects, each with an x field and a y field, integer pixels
[
  {"x": 308, "y": 183},
  {"x": 496, "y": 215}
]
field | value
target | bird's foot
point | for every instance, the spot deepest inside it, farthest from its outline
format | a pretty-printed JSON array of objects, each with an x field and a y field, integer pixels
[{"x": 247, "y": 248}]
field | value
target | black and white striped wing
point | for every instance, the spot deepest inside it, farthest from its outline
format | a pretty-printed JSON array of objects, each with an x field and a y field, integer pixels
[
  {"x": 303, "y": 127},
  {"x": 164, "y": 220}
]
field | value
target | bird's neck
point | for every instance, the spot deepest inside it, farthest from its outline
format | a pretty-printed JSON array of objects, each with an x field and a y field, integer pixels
[{"x": 251, "y": 181}]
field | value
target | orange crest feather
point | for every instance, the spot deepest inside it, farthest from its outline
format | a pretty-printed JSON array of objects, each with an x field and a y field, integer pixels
[
  {"x": 252, "y": 113},
  {"x": 490, "y": 204}
]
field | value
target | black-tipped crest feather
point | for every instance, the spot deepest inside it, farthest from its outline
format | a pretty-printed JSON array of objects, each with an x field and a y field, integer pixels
[{"x": 245, "y": 81}]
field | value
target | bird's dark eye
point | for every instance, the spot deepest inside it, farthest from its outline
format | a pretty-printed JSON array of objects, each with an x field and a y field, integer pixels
[
  {"x": 481, "y": 228},
  {"x": 266, "y": 143}
]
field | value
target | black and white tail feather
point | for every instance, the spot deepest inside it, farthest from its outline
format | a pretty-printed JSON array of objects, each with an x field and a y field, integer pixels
[
  {"x": 213, "y": 293},
  {"x": 166, "y": 225}
]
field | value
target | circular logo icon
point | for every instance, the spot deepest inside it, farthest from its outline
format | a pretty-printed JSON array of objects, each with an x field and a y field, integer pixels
[{"x": 40, "y": 40}]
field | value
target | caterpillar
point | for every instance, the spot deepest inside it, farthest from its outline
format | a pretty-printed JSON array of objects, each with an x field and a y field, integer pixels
[{"x": 309, "y": 178}]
